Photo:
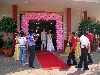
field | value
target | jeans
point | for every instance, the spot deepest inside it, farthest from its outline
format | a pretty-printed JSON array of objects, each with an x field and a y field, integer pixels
[{"x": 22, "y": 55}]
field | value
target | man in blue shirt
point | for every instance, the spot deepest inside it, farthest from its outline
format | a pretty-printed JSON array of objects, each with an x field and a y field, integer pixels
[{"x": 31, "y": 47}]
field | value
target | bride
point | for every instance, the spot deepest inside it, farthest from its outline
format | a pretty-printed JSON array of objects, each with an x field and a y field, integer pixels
[{"x": 49, "y": 41}]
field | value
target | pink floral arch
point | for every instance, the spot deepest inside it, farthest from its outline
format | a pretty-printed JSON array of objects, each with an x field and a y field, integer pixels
[{"x": 45, "y": 16}]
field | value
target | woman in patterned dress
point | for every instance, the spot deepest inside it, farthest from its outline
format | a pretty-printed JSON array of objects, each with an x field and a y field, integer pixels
[
  {"x": 67, "y": 50},
  {"x": 17, "y": 48},
  {"x": 78, "y": 49}
]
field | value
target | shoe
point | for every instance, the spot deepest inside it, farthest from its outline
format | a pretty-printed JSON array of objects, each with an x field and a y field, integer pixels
[
  {"x": 86, "y": 69},
  {"x": 26, "y": 63},
  {"x": 74, "y": 64},
  {"x": 78, "y": 67},
  {"x": 90, "y": 62},
  {"x": 68, "y": 65},
  {"x": 32, "y": 66},
  {"x": 23, "y": 64}
]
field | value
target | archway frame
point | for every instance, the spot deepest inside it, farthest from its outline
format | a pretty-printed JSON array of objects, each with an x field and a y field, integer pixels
[{"x": 45, "y": 16}]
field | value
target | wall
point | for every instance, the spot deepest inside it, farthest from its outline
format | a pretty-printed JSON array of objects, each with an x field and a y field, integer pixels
[
  {"x": 76, "y": 19},
  {"x": 76, "y": 16},
  {"x": 5, "y": 11},
  {"x": 49, "y": 10},
  {"x": 94, "y": 20}
]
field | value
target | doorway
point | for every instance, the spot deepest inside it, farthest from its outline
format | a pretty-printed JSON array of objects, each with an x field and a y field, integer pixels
[{"x": 40, "y": 24}]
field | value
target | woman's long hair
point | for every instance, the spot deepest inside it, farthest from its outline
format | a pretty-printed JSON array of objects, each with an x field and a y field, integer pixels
[{"x": 21, "y": 33}]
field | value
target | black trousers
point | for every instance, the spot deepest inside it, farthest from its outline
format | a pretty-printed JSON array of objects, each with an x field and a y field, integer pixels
[
  {"x": 83, "y": 57},
  {"x": 89, "y": 54},
  {"x": 32, "y": 54},
  {"x": 71, "y": 56}
]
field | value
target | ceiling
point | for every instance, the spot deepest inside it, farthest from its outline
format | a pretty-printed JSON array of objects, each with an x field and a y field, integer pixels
[{"x": 91, "y": 6}]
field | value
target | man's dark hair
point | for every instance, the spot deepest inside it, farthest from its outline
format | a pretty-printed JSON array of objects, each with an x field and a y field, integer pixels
[
  {"x": 73, "y": 33},
  {"x": 81, "y": 33},
  {"x": 88, "y": 30},
  {"x": 44, "y": 28},
  {"x": 30, "y": 31}
]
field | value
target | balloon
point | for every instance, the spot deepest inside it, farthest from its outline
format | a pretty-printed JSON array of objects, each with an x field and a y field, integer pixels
[{"x": 45, "y": 16}]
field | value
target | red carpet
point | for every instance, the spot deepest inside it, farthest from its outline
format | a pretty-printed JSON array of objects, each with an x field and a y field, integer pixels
[
  {"x": 42, "y": 51},
  {"x": 49, "y": 61}
]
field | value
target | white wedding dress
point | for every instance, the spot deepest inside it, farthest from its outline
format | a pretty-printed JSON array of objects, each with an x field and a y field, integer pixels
[{"x": 49, "y": 42}]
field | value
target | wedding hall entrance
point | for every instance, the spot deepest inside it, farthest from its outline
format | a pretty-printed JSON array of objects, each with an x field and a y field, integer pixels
[
  {"x": 38, "y": 25},
  {"x": 44, "y": 16}
]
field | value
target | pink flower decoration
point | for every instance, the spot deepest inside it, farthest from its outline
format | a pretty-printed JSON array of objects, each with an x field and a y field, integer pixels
[{"x": 48, "y": 16}]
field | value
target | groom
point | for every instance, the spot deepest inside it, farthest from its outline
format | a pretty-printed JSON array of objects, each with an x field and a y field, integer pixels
[{"x": 43, "y": 39}]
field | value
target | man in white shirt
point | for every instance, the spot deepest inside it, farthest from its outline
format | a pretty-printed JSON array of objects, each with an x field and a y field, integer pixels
[
  {"x": 43, "y": 39},
  {"x": 85, "y": 47}
]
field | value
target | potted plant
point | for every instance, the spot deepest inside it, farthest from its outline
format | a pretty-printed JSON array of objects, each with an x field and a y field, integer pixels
[
  {"x": 1, "y": 44},
  {"x": 8, "y": 50},
  {"x": 8, "y": 25},
  {"x": 87, "y": 24},
  {"x": 92, "y": 26},
  {"x": 97, "y": 32}
]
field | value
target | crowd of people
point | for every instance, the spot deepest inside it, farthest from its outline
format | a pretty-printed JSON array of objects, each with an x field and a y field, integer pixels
[
  {"x": 79, "y": 46},
  {"x": 21, "y": 47},
  {"x": 23, "y": 43}
]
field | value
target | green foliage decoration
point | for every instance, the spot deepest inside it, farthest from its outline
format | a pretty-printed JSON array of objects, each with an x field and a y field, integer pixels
[
  {"x": 8, "y": 25},
  {"x": 85, "y": 24},
  {"x": 97, "y": 30}
]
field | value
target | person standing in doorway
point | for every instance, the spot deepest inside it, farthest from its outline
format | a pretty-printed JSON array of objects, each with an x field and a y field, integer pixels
[
  {"x": 72, "y": 50},
  {"x": 50, "y": 46},
  {"x": 90, "y": 37},
  {"x": 85, "y": 48},
  {"x": 43, "y": 39},
  {"x": 31, "y": 48}
]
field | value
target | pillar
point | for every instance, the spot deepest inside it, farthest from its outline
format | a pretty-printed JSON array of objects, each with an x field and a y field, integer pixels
[
  {"x": 68, "y": 25},
  {"x": 89, "y": 18},
  {"x": 85, "y": 15},
  {"x": 15, "y": 17},
  {"x": 68, "y": 21}
]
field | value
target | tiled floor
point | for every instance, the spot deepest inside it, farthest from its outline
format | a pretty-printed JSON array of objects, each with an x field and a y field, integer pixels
[{"x": 10, "y": 67}]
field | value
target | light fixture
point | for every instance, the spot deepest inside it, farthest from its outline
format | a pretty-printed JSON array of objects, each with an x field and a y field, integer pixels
[
  {"x": 51, "y": 23},
  {"x": 25, "y": 1},
  {"x": 36, "y": 23},
  {"x": 67, "y": 3}
]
